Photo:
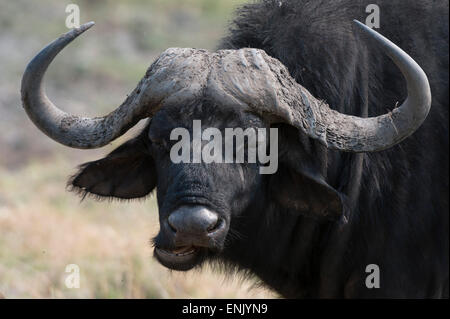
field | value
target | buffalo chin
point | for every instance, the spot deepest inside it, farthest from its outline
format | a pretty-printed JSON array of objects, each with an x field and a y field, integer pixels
[{"x": 180, "y": 259}]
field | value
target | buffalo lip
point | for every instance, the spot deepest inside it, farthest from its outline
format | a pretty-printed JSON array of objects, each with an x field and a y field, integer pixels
[
  {"x": 179, "y": 252},
  {"x": 181, "y": 258}
]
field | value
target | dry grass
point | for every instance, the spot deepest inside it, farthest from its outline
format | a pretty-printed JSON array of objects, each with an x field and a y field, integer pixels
[{"x": 43, "y": 229}]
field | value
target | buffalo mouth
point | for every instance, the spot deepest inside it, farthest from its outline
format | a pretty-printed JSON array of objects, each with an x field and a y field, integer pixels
[
  {"x": 181, "y": 258},
  {"x": 188, "y": 235}
]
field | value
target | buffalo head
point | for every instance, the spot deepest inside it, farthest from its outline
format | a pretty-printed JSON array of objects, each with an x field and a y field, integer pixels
[{"x": 201, "y": 205}]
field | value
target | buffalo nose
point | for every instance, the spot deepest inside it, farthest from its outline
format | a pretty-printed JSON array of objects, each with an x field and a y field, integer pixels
[{"x": 193, "y": 219}]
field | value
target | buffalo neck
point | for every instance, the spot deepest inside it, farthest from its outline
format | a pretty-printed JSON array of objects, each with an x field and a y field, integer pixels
[{"x": 284, "y": 249}]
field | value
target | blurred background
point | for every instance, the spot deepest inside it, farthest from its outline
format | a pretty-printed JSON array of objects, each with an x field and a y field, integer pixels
[{"x": 43, "y": 228}]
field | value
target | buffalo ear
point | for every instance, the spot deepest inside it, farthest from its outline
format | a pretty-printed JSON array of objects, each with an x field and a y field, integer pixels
[
  {"x": 306, "y": 193},
  {"x": 126, "y": 173},
  {"x": 299, "y": 184}
]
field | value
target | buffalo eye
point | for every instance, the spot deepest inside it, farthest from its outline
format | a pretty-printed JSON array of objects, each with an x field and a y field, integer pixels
[{"x": 158, "y": 142}]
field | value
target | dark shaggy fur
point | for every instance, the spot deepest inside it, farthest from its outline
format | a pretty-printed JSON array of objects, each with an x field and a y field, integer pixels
[
  {"x": 395, "y": 201},
  {"x": 399, "y": 197}
]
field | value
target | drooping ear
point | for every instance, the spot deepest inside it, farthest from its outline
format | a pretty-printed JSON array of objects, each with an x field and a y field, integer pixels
[
  {"x": 306, "y": 194},
  {"x": 299, "y": 184},
  {"x": 126, "y": 173}
]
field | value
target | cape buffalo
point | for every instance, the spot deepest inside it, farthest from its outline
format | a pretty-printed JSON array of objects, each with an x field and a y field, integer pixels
[{"x": 355, "y": 189}]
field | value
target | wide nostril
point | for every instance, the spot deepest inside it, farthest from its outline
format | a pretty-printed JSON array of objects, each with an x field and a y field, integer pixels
[
  {"x": 171, "y": 225},
  {"x": 214, "y": 225},
  {"x": 193, "y": 219}
]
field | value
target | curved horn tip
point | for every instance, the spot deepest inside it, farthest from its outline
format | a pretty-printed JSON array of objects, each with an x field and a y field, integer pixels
[
  {"x": 363, "y": 26},
  {"x": 75, "y": 32},
  {"x": 369, "y": 30},
  {"x": 86, "y": 26},
  {"x": 82, "y": 28},
  {"x": 358, "y": 22}
]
